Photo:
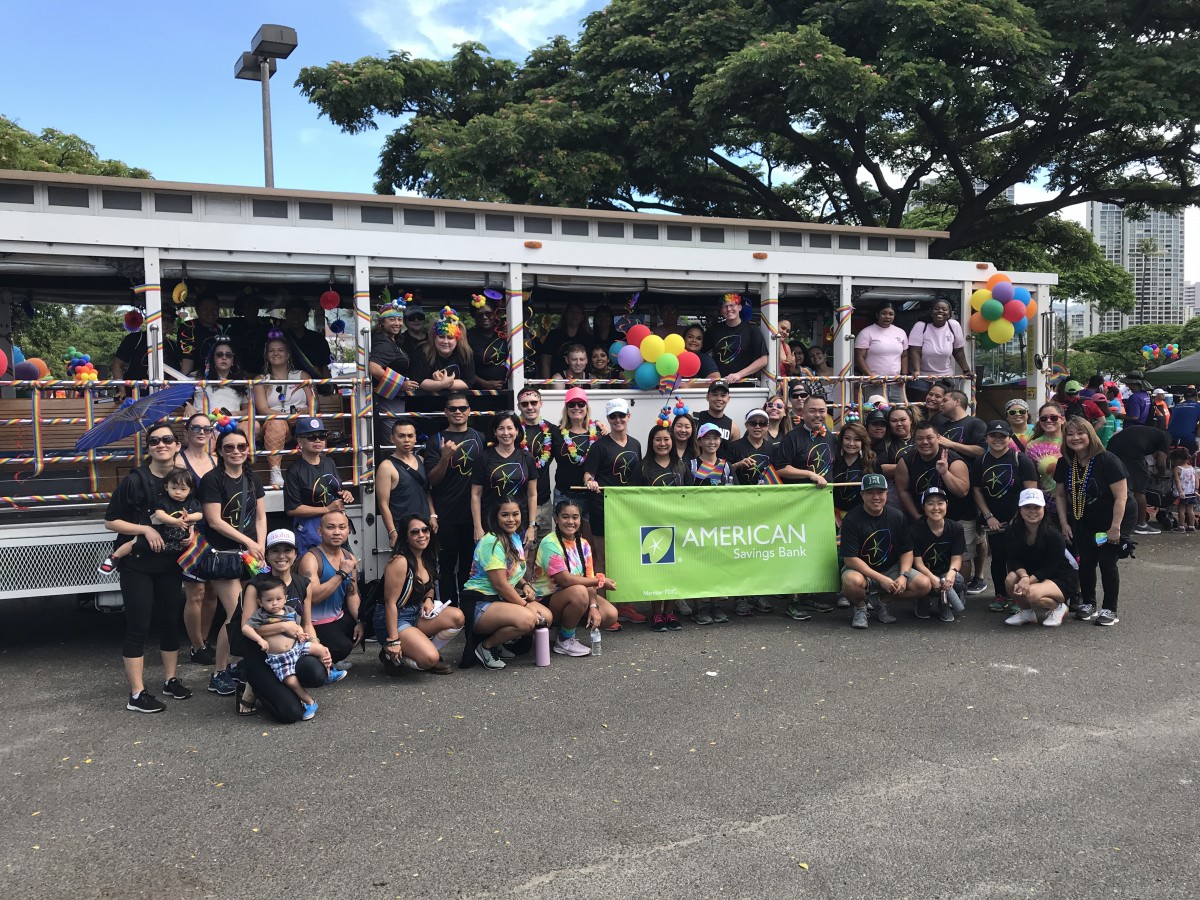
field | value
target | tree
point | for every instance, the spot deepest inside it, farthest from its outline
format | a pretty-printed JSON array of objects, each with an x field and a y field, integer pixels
[
  {"x": 94, "y": 330},
  {"x": 802, "y": 110},
  {"x": 56, "y": 151},
  {"x": 1121, "y": 351}
]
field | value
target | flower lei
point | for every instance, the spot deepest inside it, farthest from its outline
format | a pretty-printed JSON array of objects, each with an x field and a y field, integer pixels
[
  {"x": 573, "y": 453},
  {"x": 1079, "y": 494},
  {"x": 543, "y": 455}
]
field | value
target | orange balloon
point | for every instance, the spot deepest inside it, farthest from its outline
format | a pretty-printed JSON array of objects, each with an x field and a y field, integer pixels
[
  {"x": 977, "y": 323},
  {"x": 1031, "y": 310},
  {"x": 996, "y": 279}
]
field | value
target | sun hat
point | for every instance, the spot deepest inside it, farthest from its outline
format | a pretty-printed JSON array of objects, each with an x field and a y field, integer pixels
[{"x": 1032, "y": 497}]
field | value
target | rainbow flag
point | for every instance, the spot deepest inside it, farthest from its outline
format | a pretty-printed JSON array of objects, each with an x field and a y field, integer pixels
[
  {"x": 390, "y": 386},
  {"x": 770, "y": 475},
  {"x": 191, "y": 555}
]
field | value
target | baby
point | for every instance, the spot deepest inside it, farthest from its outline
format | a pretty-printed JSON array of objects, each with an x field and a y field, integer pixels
[
  {"x": 176, "y": 511},
  {"x": 274, "y": 626}
]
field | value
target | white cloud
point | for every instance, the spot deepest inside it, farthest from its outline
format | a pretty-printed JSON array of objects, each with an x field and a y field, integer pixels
[{"x": 529, "y": 25}]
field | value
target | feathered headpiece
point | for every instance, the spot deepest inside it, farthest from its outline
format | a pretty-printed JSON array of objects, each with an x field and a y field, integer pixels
[{"x": 448, "y": 324}]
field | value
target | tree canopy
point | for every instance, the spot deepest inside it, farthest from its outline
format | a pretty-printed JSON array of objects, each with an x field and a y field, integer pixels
[
  {"x": 56, "y": 151},
  {"x": 1121, "y": 351},
  {"x": 802, "y": 110}
]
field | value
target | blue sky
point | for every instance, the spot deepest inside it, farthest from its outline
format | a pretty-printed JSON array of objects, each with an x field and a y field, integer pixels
[{"x": 153, "y": 84}]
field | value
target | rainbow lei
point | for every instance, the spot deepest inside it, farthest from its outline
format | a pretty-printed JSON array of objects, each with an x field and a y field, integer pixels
[
  {"x": 543, "y": 455},
  {"x": 573, "y": 452}
]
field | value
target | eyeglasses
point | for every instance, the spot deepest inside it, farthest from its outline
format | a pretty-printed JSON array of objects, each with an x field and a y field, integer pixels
[
  {"x": 576, "y": 404},
  {"x": 313, "y": 437},
  {"x": 201, "y": 429},
  {"x": 458, "y": 409},
  {"x": 528, "y": 403},
  {"x": 422, "y": 530},
  {"x": 235, "y": 448},
  {"x": 1050, "y": 418},
  {"x": 155, "y": 441}
]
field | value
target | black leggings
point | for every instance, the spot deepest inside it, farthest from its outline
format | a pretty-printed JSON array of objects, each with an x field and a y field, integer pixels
[
  {"x": 149, "y": 597},
  {"x": 279, "y": 700},
  {"x": 998, "y": 548},
  {"x": 1105, "y": 557},
  {"x": 454, "y": 560},
  {"x": 338, "y": 636}
]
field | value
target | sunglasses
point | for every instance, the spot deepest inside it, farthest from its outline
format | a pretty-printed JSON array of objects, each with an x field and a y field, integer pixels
[
  {"x": 235, "y": 448},
  {"x": 458, "y": 409},
  {"x": 1050, "y": 418},
  {"x": 313, "y": 437},
  {"x": 528, "y": 403},
  {"x": 576, "y": 404},
  {"x": 155, "y": 441},
  {"x": 618, "y": 415},
  {"x": 424, "y": 529},
  {"x": 1016, "y": 412},
  {"x": 756, "y": 423},
  {"x": 222, "y": 356},
  {"x": 201, "y": 429}
]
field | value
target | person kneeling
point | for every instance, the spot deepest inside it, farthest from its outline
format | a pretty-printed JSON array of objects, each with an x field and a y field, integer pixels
[
  {"x": 877, "y": 555},
  {"x": 938, "y": 545},
  {"x": 1040, "y": 576},
  {"x": 567, "y": 583},
  {"x": 277, "y": 630},
  {"x": 411, "y": 625}
]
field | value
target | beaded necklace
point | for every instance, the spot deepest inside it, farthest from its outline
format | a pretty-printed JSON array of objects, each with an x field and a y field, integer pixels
[
  {"x": 1079, "y": 493},
  {"x": 576, "y": 455},
  {"x": 543, "y": 455}
]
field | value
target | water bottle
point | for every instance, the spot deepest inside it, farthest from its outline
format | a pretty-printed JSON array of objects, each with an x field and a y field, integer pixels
[
  {"x": 541, "y": 646},
  {"x": 595, "y": 642}
]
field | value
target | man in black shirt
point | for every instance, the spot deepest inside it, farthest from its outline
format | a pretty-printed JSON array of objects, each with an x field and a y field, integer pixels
[
  {"x": 311, "y": 486},
  {"x": 997, "y": 479},
  {"x": 537, "y": 438},
  {"x": 248, "y": 333},
  {"x": 738, "y": 347},
  {"x": 310, "y": 350},
  {"x": 131, "y": 359},
  {"x": 965, "y": 434},
  {"x": 490, "y": 350},
  {"x": 416, "y": 330},
  {"x": 450, "y": 459},
  {"x": 806, "y": 452},
  {"x": 1131, "y": 445},
  {"x": 196, "y": 335},
  {"x": 718, "y": 399},
  {"x": 877, "y": 555}
]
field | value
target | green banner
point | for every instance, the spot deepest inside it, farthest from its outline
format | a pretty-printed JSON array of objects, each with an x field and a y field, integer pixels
[{"x": 683, "y": 543}]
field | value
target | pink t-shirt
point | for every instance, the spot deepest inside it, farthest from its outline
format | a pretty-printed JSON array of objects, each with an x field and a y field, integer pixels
[
  {"x": 884, "y": 348},
  {"x": 937, "y": 346}
]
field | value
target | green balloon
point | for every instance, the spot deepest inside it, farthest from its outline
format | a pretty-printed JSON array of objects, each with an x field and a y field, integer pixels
[
  {"x": 667, "y": 364},
  {"x": 992, "y": 310},
  {"x": 984, "y": 342}
]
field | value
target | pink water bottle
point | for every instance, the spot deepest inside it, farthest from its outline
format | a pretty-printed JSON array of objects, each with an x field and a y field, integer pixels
[{"x": 541, "y": 646}]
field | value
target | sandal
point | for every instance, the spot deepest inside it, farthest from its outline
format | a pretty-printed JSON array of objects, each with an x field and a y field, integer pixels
[{"x": 242, "y": 706}]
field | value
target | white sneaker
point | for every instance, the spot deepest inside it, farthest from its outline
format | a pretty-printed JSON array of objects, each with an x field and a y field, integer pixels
[
  {"x": 1024, "y": 617},
  {"x": 1055, "y": 616},
  {"x": 276, "y": 478},
  {"x": 570, "y": 647}
]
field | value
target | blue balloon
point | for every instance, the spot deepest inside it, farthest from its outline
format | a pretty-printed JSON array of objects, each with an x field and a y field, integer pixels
[
  {"x": 17, "y": 355},
  {"x": 646, "y": 376},
  {"x": 1022, "y": 294},
  {"x": 1020, "y": 326},
  {"x": 615, "y": 350}
]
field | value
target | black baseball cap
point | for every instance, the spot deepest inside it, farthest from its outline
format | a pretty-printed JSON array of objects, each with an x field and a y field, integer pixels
[{"x": 999, "y": 426}]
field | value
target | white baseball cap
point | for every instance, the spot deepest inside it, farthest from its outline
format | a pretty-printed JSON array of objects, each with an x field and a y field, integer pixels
[
  {"x": 616, "y": 405},
  {"x": 281, "y": 536},
  {"x": 1032, "y": 497}
]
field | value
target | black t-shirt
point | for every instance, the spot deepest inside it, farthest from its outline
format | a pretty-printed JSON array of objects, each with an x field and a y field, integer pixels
[
  {"x": 249, "y": 338},
  {"x": 655, "y": 475},
  {"x": 504, "y": 478},
  {"x": 967, "y": 430},
  {"x": 1095, "y": 486},
  {"x": 534, "y": 441},
  {"x": 195, "y": 339},
  {"x": 455, "y": 366},
  {"x": 708, "y": 366},
  {"x": 846, "y": 498},
  {"x": 410, "y": 496},
  {"x": 134, "y": 353},
  {"x": 452, "y": 495},
  {"x": 936, "y": 550},
  {"x": 879, "y": 541},
  {"x": 800, "y": 449},
  {"x": 390, "y": 354},
  {"x": 553, "y": 343},
  {"x": 490, "y": 352},
  {"x": 1136, "y": 441},
  {"x": 133, "y": 501},
  {"x": 733, "y": 349},
  {"x": 569, "y": 472},
  {"x": 923, "y": 474},
  {"x": 238, "y": 499},
  {"x": 1002, "y": 479},
  {"x": 1044, "y": 559},
  {"x": 311, "y": 345},
  {"x": 613, "y": 465},
  {"x": 760, "y": 458},
  {"x": 307, "y": 485}
]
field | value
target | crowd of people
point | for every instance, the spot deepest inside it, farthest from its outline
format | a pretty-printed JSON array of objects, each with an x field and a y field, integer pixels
[{"x": 497, "y": 533}]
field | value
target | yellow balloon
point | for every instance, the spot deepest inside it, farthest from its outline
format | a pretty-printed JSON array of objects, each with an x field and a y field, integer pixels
[
  {"x": 673, "y": 343},
  {"x": 1001, "y": 331},
  {"x": 652, "y": 347},
  {"x": 979, "y": 298}
]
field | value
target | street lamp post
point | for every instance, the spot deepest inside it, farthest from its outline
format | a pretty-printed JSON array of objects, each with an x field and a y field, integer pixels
[{"x": 272, "y": 42}]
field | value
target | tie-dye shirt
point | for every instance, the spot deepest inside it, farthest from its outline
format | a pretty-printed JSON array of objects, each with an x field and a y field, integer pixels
[
  {"x": 1045, "y": 452},
  {"x": 554, "y": 559}
]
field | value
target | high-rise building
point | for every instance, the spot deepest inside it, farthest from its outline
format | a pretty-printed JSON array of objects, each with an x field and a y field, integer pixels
[
  {"x": 1083, "y": 321},
  {"x": 1191, "y": 297},
  {"x": 1151, "y": 249}
]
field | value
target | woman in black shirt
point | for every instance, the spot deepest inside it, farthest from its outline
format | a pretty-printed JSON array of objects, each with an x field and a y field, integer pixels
[
  {"x": 1040, "y": 577},
  {"x": 504, "y": 472},
  {"x": 572, "y": 440}
]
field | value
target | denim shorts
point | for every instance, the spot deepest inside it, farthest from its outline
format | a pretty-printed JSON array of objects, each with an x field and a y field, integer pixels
[
  {"x": 480, "y": 608},
  {"x": 406, "y": 618}
]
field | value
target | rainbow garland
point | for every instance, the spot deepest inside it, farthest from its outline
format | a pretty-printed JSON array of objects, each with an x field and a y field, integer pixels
[
  {"x": 766, "y": 319},
  {"x": 570, "y": 446},
  {"x": 543, "y": 456}
]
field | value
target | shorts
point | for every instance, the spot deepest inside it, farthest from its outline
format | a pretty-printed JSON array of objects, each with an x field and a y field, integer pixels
[
  {"x": 970, "y": 537},
  {"x": 1139, "y": 473},
  {"x": 892, "y": 571},
  {"x": 406, "y": 617},
  {"x": 284, "y": 664},
  {"x": 585, "y": 511},
  {"x": 480, "y": 608}
]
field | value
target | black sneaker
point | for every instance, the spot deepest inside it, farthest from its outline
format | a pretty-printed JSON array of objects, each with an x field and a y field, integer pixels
[
  {"x": 1085, "y": 612},
  {"x": 1106, "y": 617},
  {"x": 921, "y": 607},
  {"x": 203, "y": 656},
  {"x": 976, "y": 586},
  {"x": 174, "y": 688},
  {"x": 145, "y": 702}
]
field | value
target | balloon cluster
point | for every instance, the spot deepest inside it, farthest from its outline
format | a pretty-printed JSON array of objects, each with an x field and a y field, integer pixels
[
  {"x": 32, "y": 369},
  {"x": 79, "y": 367},
  {"x": 666, "y": 415},
  {"x": 1001, "y": 311},
  {"x": 223, "y": 422},
  {"x": 1166, "y": 351},
  {"x": 133, "y": 321},
  {"x": 645, "y": 357}
]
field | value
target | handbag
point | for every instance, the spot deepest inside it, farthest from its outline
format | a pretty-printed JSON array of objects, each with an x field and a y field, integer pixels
[{"x": 220, "y": 565}]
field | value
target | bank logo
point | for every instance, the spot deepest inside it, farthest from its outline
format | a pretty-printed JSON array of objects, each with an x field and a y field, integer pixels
[{"x": 658, "y": 545}]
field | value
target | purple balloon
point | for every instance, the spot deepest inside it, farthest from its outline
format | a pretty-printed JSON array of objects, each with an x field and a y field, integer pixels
[
  {"x": 1003, "y": 291},
  {"x": 629, "y": 357}
]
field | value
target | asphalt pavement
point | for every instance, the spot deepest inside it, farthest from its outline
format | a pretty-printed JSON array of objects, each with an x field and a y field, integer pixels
[{"x": 762, "y": 758}]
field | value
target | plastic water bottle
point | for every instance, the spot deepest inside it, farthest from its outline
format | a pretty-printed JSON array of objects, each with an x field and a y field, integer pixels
[
  {"x": 595, "y": 641},
  {"x": 541, "y": 646}
]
